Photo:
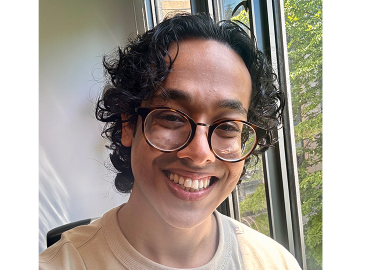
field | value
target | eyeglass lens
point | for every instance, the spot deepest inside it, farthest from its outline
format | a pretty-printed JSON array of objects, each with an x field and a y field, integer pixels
[
  {"x": 168, "y": 130},
  {"x": 232, "y": 140}
]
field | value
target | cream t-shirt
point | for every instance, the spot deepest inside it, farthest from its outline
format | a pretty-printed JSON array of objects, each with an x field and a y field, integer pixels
[{"x": 101, "y": 245}]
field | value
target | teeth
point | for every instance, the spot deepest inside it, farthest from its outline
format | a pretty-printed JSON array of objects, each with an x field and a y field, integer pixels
[
  {"x": 181, "y": 180},
  {"x": 188, "y": 184},
  {"x": 200, "y": 184},
  {"x": 194, "y": 184}
]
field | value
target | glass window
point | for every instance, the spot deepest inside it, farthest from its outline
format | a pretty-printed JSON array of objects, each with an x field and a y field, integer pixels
[
  {"x": 226, "y": 8},
  {"x": 165, "y": 7},
  {"x": 252, "y": 199},
  {"x": 303, "y": 22}
]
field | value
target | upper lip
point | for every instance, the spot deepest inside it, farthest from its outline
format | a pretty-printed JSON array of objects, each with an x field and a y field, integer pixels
[{"x": 190, "y": 174}]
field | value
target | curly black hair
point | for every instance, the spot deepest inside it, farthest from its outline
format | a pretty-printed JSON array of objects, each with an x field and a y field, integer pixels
[{"x": 137, "y": 72}]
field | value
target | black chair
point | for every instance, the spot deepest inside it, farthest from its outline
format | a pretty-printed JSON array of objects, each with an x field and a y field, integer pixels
[{"x": 55, "y": 234}]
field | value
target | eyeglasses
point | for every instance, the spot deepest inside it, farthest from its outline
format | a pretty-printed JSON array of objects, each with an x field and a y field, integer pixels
[{"x": 171, "y": 130}]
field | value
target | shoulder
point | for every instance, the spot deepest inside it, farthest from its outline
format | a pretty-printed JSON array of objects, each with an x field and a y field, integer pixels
[
  {"x": 258, "y": 250},
  {"x": 66, "y": 250}
]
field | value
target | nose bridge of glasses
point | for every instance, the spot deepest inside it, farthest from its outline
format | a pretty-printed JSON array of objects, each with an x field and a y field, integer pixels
[
  {"x": 203, "y": 124},
  {"x": 206, "y": 133},
  {"x": 194, "y": 129}
]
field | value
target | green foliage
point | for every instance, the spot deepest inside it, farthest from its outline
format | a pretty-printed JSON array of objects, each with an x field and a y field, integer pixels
[
  {"x": 253, "y": 208},
  {"x": 309, "y": 129},
  {"x": 311, "y": 198},
  {"x": 242, "y": 17},
  {"x": 256, "y": 204},
  {"x": 303, "y": 22},
  {"x": 261, "y": 224}
]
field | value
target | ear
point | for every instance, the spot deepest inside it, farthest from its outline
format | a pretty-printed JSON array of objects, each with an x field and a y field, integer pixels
[{"x": 127, "y": 132}]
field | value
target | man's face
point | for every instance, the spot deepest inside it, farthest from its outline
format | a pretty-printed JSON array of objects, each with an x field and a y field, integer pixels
[{"x": 209, "y": 82}]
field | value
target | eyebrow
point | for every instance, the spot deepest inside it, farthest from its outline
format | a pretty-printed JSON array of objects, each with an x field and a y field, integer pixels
[
  {"x": 180, "y": 95},
  {"x": 233, "y": 105}
]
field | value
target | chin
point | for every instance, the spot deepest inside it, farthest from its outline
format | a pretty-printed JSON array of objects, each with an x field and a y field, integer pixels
[{"x": 186, "y": 219}]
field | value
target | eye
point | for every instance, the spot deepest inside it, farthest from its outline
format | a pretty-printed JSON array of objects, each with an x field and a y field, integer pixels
[
  {"x": 170, "y": 119},
  {"x": 170, "y": 116},
  {"x": 229, "y": 127},
  {"x": 228, "y": 130}
]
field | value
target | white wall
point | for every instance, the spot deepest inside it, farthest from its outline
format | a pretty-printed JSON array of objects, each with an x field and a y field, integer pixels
[{"x": 73, "y": 36}]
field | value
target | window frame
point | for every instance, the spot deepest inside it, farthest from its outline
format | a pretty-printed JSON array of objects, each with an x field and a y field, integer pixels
[{"x": 280, "y": 162}]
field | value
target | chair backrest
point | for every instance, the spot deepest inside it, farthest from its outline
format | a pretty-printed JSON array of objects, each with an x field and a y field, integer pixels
[{"x": 55, "y": 234}]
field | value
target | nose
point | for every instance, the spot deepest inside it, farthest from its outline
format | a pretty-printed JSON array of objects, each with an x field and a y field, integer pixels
[{"x": 198, "y": 150}]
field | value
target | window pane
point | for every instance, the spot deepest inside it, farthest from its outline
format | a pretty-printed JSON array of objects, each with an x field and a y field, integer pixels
[
  {"x": 303, "y": 21},
  {"x": 252, "y": 199},
  {"x": 228, "y": 6},
  {"x": 165, "y": 7}
]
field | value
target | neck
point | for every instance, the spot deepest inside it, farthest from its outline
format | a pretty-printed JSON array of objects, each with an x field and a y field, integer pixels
[{"x": 163, "y": 243}]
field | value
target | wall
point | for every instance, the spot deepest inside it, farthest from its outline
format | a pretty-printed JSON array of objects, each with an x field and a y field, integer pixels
[{"x": 73, "y": 36}]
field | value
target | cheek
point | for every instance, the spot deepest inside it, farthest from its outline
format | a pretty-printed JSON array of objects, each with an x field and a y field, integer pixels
[
  {"x": 144, "y": 162},
  {"x": 140, "y": 156}
]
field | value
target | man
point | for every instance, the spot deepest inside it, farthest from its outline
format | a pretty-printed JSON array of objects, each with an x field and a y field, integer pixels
[{"x": 184, "y": 112}]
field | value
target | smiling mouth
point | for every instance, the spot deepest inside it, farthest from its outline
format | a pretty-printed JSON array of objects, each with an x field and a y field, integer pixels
[{"x": 191, "y": 185}]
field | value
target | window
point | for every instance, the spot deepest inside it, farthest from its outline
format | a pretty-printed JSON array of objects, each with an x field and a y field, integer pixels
[
  {"x": 252, "y": 199},
  {"x": 225, "y": 10},
  {"x": 165, "y": 7},
  {"x": 303, "y": 23}
]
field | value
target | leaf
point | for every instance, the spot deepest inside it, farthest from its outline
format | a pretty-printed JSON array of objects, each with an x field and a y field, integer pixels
[{"x": 309, "y": 128}]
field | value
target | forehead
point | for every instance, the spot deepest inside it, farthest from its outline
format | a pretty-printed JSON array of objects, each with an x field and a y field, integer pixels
[{"x": 208, "y": 74}]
